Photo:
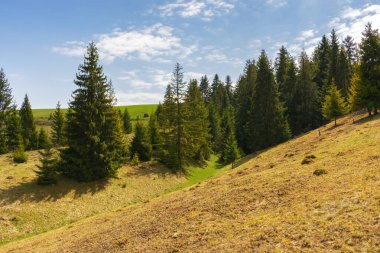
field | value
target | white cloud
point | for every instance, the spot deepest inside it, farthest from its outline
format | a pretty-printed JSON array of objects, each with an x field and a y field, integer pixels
[
  {"x": 205, "y": 9},
  {"x": 352, "y": 21},
  {"x": 277, "y": 3},
  {"x": 135, "y": 98},
  {"x": 152, "y": 43},
  {"x": 307, "y": 34}
]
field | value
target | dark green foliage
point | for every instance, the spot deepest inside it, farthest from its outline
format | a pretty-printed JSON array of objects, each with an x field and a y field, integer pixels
[
  {"x": 243, "y": 97},
  {"x": 96, "y": 145},
  {"x": 323, "y": 63},
  {"x": 47, "y": 173},
  {"x": 334, "y": 105},
  {"x": 43, "y": 139},
  {"x": 14, "y": 131},
  {"x": 228, "y": 88},
  {"x": 215, "y": 84},
  {"x": 215, "y": 129},
  {"x": 205, "y": 89},
  {"x": 171, "y": 122},
  {"x": 153, "y": 130},
  {"x": 306, "y": 106},
  {"x": 351, "y": 49},
  {"x": 281, "y": 66},
  {"x": 268, "y": 125},
  {"x": 57, "y": 129},
  {"x": 5, "y": 108},
  {"x": 197, "y": 145},
  {"x": 19, "y": 155},
  {"x": 343, "y": 75},
  {"x": 29, "y": 132},
  {"x": 369, "y": 86},
  {"x": 230, "y": 150},
  {"x": 334, "y": 55},
  {"x": 288, "y": 94},
  {"x": 127, "y": 124},
  {"x": 141, "y": 143}
]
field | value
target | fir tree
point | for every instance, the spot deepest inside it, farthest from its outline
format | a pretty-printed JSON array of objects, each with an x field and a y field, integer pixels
[
  {"x": 29, "y": 132},
  {"x": 334, "y": 55},
  {"x": 14, "y": 131},
  {"x": 43, "y": 139},
  {"x": 353, "y": 97},
  {"x": 306, "y": 113},
  {"x": 127, "y": 124},
  {"x": 153, "y": 130},
  {"x": 96, "y": 146},
  {"x": 289, "y": 93},
  {"x": 323, "y": 62},
  {"x": 351, "y": 49},
  {"x": 215, "y": 129},
  {"x": 343, "y": 75},
  {"x": 334, "y": 105},
  {"x": 281, "y": 64},
  {"x": 243, "y": 97},
  {"x": 228, "y": 87},
  {"x": 58, "y": 124},
  {"x": 230, "y": 151},
  {"x": 215, "y": 84},
  {"x": 369, "y": 87},
  {"x": 268, "y": 124},
  {"x": 141, "y": 143},
  {"x": 46, "y": 173},
  {"x": 6, "y": 99},
  {"x": 197, "y": 145},
  {"x": 205, "y": 89}
]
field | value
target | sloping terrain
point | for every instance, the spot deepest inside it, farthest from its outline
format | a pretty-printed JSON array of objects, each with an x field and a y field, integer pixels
[{"x": 271, "y": 203}]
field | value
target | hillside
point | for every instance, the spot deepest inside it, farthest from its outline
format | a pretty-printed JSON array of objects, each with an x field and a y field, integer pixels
[{"x": 273, "y": 202}]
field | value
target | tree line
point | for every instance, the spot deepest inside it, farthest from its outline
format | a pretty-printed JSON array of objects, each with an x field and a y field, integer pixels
[{"x": 269, "y": 104}]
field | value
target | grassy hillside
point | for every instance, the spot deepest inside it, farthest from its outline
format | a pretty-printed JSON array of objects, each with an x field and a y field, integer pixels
[
  {"x": 271, "y": 203},
  {"x": 42, "y": 115},
  {"x": 27, "y": 208}
]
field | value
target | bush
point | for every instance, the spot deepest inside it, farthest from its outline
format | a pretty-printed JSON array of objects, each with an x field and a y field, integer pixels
[
  {"x": 308, "y": 159},
  {"x": 135, "y": 159},
  {"x": 319, "y": 172},
  {"x": 146, "y": 115},
  {"x": 19, "y": 156}
]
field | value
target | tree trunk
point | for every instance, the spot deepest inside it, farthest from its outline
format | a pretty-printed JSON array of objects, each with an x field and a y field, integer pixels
[
  {"x": 369, "y": 111},
  {"x": 335, "y": 121}
]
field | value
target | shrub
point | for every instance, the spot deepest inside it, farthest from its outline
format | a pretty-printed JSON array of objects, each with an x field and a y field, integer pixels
[
  {"x": 308, "y": 159},
  {"x": 19, "y": 156},
  {"x": 319, "y": 172},
  {"x": 135, "y": 159}
]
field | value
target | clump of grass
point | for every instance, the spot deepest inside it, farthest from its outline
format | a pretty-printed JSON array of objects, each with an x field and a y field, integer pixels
[
  {"x": 319, "y": 172},
  {"x": 308, "y": 159}
]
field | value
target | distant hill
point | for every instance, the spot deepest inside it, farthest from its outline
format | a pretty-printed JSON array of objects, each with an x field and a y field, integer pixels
[{"x": 316, "y": 193}]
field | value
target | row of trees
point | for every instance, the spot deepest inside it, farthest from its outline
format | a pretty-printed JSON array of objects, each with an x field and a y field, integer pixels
[{"x": 268, "y": 105}]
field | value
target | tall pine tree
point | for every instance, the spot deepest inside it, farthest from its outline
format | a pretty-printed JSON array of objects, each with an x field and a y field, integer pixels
[
  {"x": 58, "y": 124},
  {"x": 6, "y": 99},
  {"x": 127, "y": 124},
  {"x": 96, "y": 146},
  {"x": 29, "y": 132}
]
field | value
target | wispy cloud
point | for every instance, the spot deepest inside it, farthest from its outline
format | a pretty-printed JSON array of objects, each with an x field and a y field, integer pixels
[
  {"x": 276, "y": 3},
  {"x": 135, "y": 98},
  {"x": 152, "y": 43},
  {"x": 352, "y": 21},
  {"x": 204, "y": 9}
]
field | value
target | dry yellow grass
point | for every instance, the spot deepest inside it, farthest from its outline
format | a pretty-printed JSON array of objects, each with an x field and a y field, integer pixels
[{"x": 272, "y": 203}]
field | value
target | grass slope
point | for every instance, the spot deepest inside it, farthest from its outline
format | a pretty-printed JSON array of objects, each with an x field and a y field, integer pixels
[
  {"x": 42, "y": 115},
  {"x": 271, "y": 203},
  {"x": 27, "y": 209}
]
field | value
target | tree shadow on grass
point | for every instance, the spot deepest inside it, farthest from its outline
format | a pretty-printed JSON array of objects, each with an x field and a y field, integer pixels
[
  {"x": 32, "y": 192},
  {"x": 367, "y": 119}
]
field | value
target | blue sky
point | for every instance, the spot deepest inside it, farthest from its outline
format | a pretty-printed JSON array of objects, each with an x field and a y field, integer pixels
[{"x": 43, "y": 42}]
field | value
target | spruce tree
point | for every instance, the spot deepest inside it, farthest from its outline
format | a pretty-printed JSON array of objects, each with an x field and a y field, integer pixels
[
  {"x": 323, "y": 63},
  {"x": 343, "y": 75},
  {"x": 58, "y": 124},
  {"x": 29, "y": 132},
  {"x": 230, "y": 151},
  {"x": 334, "y": 105},
  {"x": 6, "y": 99},
  {"x": 215, "y": 129},
  {"x": 197, "y": 145},
  {"x": 268, "y": 124},
  {"x": 96, "y": 146},
  {"x": 47, "y": 171},
  {"x": 243, "y": 97},
  {"x": 334, "y": 55},
  {"x": 281, "y": 65},
  {"x": 369, "y": 86},
  {"x": 229, "y": 89},
  {"x": 306, "y": 99},
  {"x": 289, "y": 93},
  {"x": 351, "y": 49},
  {"x": 215, "y": 84},
  {"x": 141, "y": 143},
  {"x": 153, "y": 130},
  {"x": 43, "y": 139},
  {"x": 14, "y": 131},
  {"x": 127, "y": 124},
  {"x": 205, "y": 89},
  {"x": 353, "y": 97}
]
